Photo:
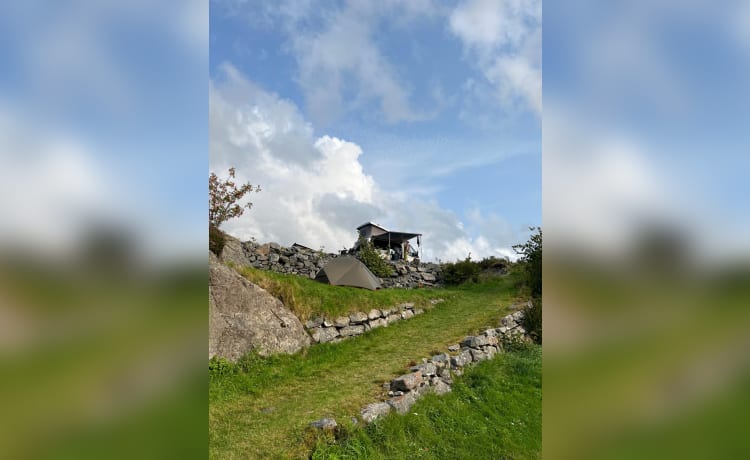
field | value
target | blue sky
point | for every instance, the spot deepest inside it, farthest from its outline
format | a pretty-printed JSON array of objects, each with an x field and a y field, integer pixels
[{"x": 430, "y": 113}]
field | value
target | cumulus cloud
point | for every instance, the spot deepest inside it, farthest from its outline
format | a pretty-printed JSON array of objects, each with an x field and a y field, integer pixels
[
  {"x": 503, "y": 38},
  {"x": 315, "y": 189}
]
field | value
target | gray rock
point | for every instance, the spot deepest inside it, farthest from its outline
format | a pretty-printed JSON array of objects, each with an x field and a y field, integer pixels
[
  {"x": 273, "y": 258},
  {"x": 393, "y": 318},
  {"x": 478, "y": 355},
  {"x": 461, "y": 359},
  {"x": 428, "y": 277},
  {"x": 425, "y": 369},
  {"x": 374, "y": 314},
  {"x": 492, "y": 341},
  {"x": 283, "y": 260},
  {"x": 274, "y": 246},
  {"x": 406, "y": 382},
  {"x": 490, "y": 333},
  {"x": 475, "y": 341},
  {"x": 454, "y": 347},
  {"x": 315, "y": 322},
  {"x": 357, "y": 317},
  {"x": 441, "y": 358},
  {"x": 351, "y": 330},
  {"x": 341, "y": 321},
  {"x": 406, "y": 305},
  {"x": 441, "y": 388},
  {"x": 374, "y": 410},
  {"x": 418, "y": 311},
  {"x": 234, "y": 252},
  {"x": 402, "y": 404},
  {"x": 328, "y": 323},
  {"x": 380, "y": 322},
  {"x": 244, "y": 317},
  {"x": 406, "y": 314},
  {"x": 324, "y": 334},
  {"x": 324, "y": 424}
]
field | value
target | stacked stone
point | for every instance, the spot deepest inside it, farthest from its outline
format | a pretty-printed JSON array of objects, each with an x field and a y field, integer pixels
[
  {"x": 293, "y": 260},
  {"x": 413, "y": 275},
  {"x": 334, "y": 330},
  {"x": 435, "y": 374}
]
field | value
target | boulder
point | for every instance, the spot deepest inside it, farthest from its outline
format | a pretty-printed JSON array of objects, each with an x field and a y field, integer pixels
[
  {"x": 380, "y": 322},
  {"x": 461, "y": 359},
  {"x": 245, "y": 317},
  {"x": 428, "y": 277},
  {"x": 402, "y": 404},
  {"x": 375, "y": 410},
  {"x": 324, "y": 424},
  {"x": 351, "y": 330},
  {"x": 234, "y": 252},
  {"x": 357, "y": 317},
  {"x": 324, "y": 334},
  {"x": 406, "y": 382},
  {"x": 406, "y": 314},
  {"x": 393, "y": 318},
  {"x": 341, "y": 321},
  {"x": 315, "y": 322},
  {"x": 475, "y": 341},
  {"x": 374, "y": 314},
  {"x": 441, "y": 388},
  {"x": 425, "y": 369},
  {"x": 454, "y": 347}
]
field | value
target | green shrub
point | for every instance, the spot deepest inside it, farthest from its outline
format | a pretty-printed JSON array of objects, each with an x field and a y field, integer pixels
[
  {"x": 531, "y": 259},
  {"x": 494, "y": 263},
  {"x": 370, "y": 257},
  {"x": 216, "y": 240},
  {"x": 220, "y": 366},
  {"x": 461, "y": 272},
  {"x": 532, "y": 319}
]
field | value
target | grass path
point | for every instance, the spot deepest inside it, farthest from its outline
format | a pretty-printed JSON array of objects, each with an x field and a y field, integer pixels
[{"x": 263, "y": 412}]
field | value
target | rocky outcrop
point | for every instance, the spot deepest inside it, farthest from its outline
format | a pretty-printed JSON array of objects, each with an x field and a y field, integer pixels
[
  {"x": 244, "y": 317},
  {"x": 302, "y": 261}
]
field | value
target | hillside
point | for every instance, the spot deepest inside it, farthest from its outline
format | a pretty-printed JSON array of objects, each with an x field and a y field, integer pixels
[{"x": 260, "y": 407}]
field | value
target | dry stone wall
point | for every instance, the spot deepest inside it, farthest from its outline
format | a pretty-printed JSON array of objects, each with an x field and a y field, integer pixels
[
  {"x": 435, "y": 374},
  {"x": 323, "y": 329},
  {"x": 301, "y": 261}
]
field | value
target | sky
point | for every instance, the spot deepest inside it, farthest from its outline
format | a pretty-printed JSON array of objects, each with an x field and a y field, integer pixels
[{"x": 421, "y": 116}]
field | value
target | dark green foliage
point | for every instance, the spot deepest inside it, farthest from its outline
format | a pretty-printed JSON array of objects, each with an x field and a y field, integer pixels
[
  {"x": 461, "y": 272},
  {"x": 370, "y": 257},
  {"x": 531, "y": 257},
  {"x": 494, "y": 263},
  {"x": 216, "y": 240},
  {"x": 532, "y": 319},
  {"x": 220, "y": 366}
]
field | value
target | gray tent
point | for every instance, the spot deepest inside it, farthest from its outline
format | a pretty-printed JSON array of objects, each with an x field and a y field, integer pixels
[{"x": 348, "y": 271}]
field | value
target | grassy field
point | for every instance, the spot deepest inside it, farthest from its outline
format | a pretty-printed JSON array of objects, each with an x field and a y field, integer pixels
[
  {"x": 308, "y": 298},
  {"x": 260, "y": 407},
  {"x": 494, "y": 411}
]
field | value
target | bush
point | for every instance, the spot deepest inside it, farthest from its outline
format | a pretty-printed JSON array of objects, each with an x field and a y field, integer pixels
[
  {"x": 531, "y": 258},
  {"x": 216, "y": 240},
  {"x": 494, "y": 263},
  {"x": 370, "y": 257},
  {"x": 532, "y": 319},
  {"x": 461, "y": 272},
  {"x": 220, "y": 366}
]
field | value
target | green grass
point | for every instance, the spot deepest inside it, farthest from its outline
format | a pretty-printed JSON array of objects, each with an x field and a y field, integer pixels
[
  {"x": 262, "y": 410},
  {"x": 494, "y": 411},
  {"x": 308, "y": 298}
]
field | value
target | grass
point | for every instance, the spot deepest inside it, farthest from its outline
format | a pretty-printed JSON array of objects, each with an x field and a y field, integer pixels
[
  {"x": 308, "y": 298},
  {"x": 494, "y": 411},
  {"x": 261, "y": 409}
]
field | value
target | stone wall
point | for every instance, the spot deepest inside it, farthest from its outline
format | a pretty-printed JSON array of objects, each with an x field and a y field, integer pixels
[
  {"x": 323, "y": 330},
  {"x": 435, "y": 374},
  {"x": 305, "y": 262}
]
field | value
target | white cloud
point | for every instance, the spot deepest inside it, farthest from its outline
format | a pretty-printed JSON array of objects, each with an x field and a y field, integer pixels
[
  {"x": 503, "y": 37},
  {"x": 315, "y": 190}
]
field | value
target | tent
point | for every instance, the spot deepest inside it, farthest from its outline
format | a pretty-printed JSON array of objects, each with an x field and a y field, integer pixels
[{"x": 348, "y": 271}]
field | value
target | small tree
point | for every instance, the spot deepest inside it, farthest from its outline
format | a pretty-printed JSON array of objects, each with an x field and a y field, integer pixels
[
  {"x": 372, "y": 260},
  {"x": 223, "y": 204},
  {"x": 224, "y": 197},
  {"x": 531, "y": 257}
]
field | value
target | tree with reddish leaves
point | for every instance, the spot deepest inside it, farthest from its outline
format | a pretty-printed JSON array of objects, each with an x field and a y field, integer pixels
[
  {"x": 223, "y": 204},
  {"x": 224, "y": 197}
]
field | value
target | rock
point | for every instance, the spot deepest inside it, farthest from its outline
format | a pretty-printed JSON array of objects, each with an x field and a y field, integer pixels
[
  {"x": 374, "y": 314},
  {"x": 315, "y": 322},
  {"x": 402, "y": 404},
  {"x": 375, "y": 410},
  {"x": 406, "y": 314},
  {"x": 263, "y": 250},
  {"x": 490, "y": 333},
  {"x": 454, "y": 347},
  {"x": 328, "y": 323},
  {"x": 441, "y": 388},
  {"x": 478, "y": 355},
  {"x": 234, "y": 252},
  {"x": 357, "y": 318},
  {"x": 393, "y": 318},
  {"x": 491, "y": 352},
  {"x": 324, "y": 334},
  {"x": 461, "y": 359},
  {"x": 492, "y": 340},
  {"x": 428, "y": 277},
  {"x": 441, "y": 358},
  {"x": 502, "y": 330},
  {"x": 324, "y": 424},
  {"x": 406, "y": 382},
  {"x": 406, "y": 306},
  {"x": 425, "y": 369},
  {"x": 244, "y": 317},
  {"x": 341, "y": 321},
  {"x": 436, "y": 301},
  {"x": 475, "y": 341},
  {"x": 351, "y": 330},
  {"x": 274, "y": 246},
  {"x": 283, "y": 260},
  {"x": 380, "y": 322},
  {"x": 418, "y": 311}
]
